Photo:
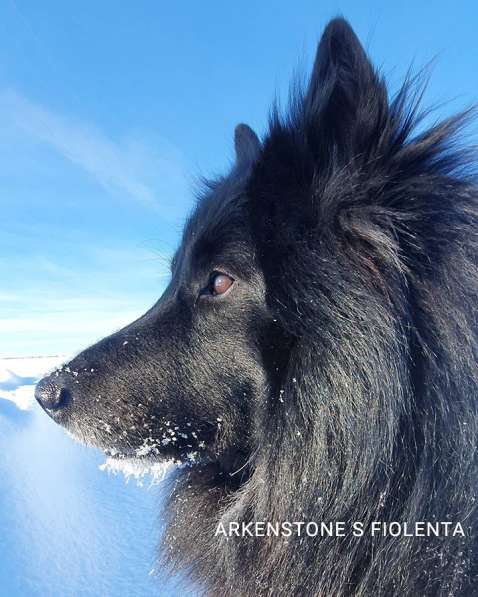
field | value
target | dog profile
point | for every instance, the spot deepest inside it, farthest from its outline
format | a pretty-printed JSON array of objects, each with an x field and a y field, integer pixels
[{"x": 314, "y": 356}]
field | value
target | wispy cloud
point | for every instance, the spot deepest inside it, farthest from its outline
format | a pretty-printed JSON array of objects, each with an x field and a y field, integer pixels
[
  {"x": 154, "y": 177},
  {"x": 55, "y": 325},
  {"x": 55, "y": 308},
  {"x": 65, "y": 283}
]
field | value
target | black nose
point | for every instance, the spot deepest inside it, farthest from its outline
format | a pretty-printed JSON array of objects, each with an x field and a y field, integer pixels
[{"x": 52, "y": 394}]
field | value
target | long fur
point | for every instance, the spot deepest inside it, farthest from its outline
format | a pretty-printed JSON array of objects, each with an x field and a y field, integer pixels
[
  {"x": 379, "y": 293},
  {"x": 338, "y": 381}
]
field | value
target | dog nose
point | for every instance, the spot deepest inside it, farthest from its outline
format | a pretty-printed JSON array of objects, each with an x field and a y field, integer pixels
[{"x": 53, "y": 394}]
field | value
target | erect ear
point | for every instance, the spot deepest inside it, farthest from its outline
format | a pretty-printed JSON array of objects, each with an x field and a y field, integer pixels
[
  {"x": 246, "y": 144},
  {"x": 345, "y": 100}
]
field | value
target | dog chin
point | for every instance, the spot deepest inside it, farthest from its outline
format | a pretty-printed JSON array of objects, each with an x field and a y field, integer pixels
[
  {"x": 148, "y": 459},
  {"x": 138, "y": 468},
  {"x": 79, "y": 436}
]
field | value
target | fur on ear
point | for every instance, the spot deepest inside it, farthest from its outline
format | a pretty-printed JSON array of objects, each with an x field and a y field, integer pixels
[
  {"x": 346, "y": 101},
  {"x": 366, "y": 234},
  {"x": 246, "y": 145},
  {"x": 339, "y": 123},
  {"x": 347, "y": 163}
]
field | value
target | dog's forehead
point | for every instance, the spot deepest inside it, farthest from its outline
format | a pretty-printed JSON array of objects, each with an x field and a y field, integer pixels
[{"x": 219, "y": 219}]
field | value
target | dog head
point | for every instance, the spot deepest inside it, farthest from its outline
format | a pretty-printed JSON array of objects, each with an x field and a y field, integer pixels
[
  {"x": 287, "y": 317},
  {"x": 180, "y": 382}
]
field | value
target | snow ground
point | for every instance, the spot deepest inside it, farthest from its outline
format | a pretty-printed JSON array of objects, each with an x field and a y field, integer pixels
[
  {"x": 67, "y": 528},
  {"x": 18, "y": 377}
]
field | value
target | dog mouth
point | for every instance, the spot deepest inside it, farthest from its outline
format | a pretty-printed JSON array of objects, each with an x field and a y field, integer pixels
[
  {"x": 138, "y": 468},
  {"x": 152, "y": 455},
  {"x": 139, "y": 441},
  {"x": 233, "y": 466}
]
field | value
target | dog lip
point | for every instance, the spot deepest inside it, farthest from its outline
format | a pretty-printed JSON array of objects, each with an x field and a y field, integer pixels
[
  {"x": 234, "y": 461},
  {"x": 124, "y": 454},
  {"x": 135, "y": 454}
]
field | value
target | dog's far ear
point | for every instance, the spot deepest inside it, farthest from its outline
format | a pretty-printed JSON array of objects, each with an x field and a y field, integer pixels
[
  {"x": 246, "y": 144},
  {"x": 345, "y": 99},
  {"x": 340, "y": 65}
]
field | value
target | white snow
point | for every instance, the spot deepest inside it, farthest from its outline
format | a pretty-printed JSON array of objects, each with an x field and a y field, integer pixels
[
  {"x": 23, "y": 396},
  {"x": 29, "y": 366},
  {"x": 13, "y": 372},
  {"x": 137, "y": 469}
]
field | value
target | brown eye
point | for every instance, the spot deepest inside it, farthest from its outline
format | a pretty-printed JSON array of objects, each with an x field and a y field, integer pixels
[{"x": 220, "y": 283}]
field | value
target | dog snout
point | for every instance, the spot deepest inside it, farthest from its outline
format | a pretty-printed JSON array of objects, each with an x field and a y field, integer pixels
[{"x": 53, "y": 394}]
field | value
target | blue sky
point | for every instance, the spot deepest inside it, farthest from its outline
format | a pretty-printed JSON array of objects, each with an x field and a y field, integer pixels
[{"x": 109, "y": 112}]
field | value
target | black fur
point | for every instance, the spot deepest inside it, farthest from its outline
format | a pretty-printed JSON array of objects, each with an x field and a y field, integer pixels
[{"x": 337, "y": 379}]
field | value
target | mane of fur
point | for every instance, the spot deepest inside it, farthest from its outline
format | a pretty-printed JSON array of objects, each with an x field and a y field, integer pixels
[{"x": 366, "y": 230}]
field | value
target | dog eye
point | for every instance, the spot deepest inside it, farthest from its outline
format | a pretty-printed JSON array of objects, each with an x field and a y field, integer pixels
[{"x": 219, "y": 283}]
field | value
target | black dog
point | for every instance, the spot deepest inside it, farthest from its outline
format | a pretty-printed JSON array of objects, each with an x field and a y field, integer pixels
[{"x": 314, "y": 357}]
